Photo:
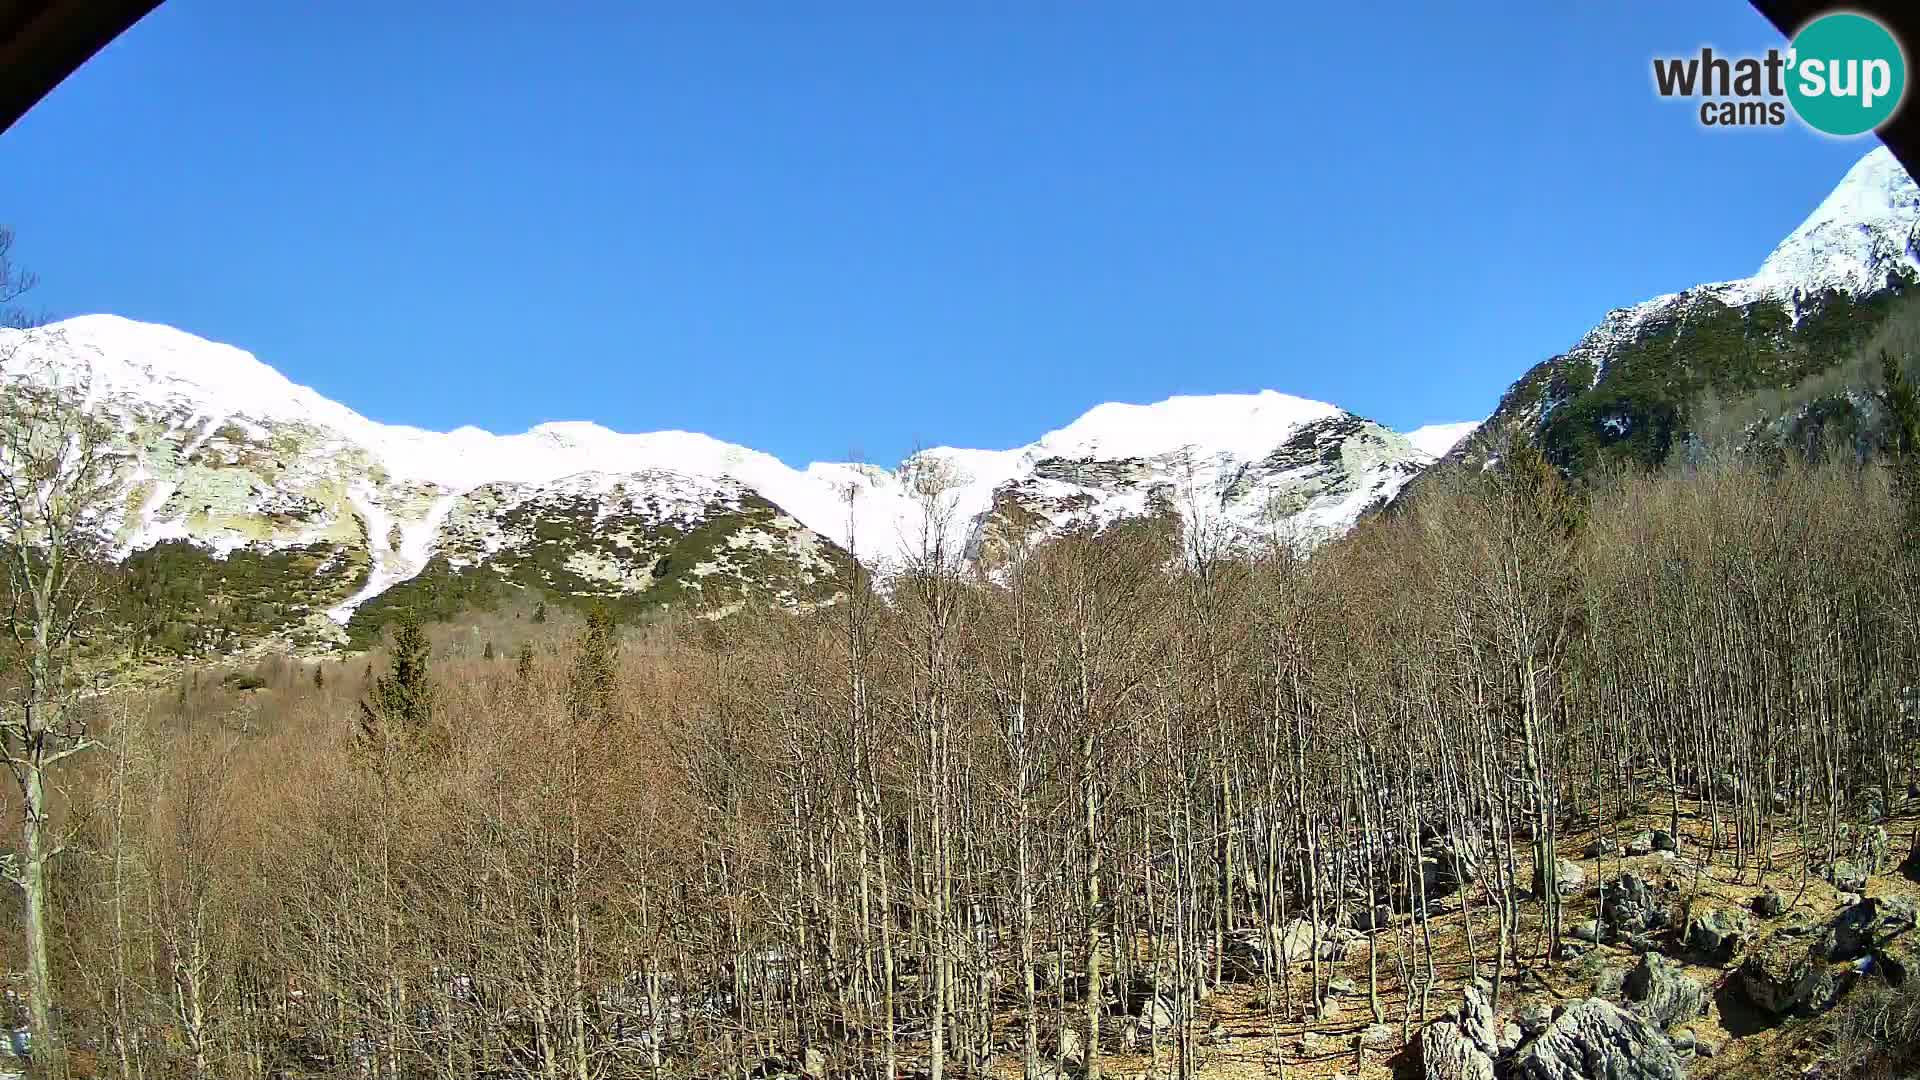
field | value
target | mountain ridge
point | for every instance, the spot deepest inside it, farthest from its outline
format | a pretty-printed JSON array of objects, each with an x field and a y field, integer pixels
[
  {"x": 229, "y": 454},
  {"x": 1628, "y": 386}
]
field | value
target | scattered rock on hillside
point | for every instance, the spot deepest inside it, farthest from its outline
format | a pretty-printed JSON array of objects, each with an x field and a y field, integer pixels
[
  {"x": 1641, "y": 843},
  {"x": 1628, "y": 905},
  {"x": 1534, "y": 1019},
  {"x": 1769, "y": 904},
  {"x": 1598, "y": 1040},
  {"x": 1447, "y": 1054},
  {"x": 1715, "y": 934},
  {"x": 1787, "y": 973},
  {"x": 1464, "y": 1044},
  {"x": 1662, "y": 993},
  {"x": 1569, "y": 877},
  {"x": 1848, "y": 875},
  {"x": 1866, "y": 925},
  {"x": 1379, "y": 1038}
]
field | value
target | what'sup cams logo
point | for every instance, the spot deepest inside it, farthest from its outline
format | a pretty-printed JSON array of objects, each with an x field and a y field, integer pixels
[{"x": 1843, "y": 74}]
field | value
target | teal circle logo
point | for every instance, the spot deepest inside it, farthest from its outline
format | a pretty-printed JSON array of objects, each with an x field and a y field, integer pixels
[{"x": 1847, "y": 74}]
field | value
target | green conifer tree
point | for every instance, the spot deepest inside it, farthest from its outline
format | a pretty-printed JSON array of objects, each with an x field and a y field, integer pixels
[
  {"x": 399, "y": 708},
  {"x": 591, "y": 690},
  {"x": 540, "y": 612}
]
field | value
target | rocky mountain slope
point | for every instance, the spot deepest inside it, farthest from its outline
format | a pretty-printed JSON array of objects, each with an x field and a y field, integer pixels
[
  {"x": 256, "y": 507},
  {"x": 1665, "y": 371}
]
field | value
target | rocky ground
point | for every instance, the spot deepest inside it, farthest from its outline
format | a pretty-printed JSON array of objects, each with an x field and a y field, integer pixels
[{"x": 1674, "y": 964}]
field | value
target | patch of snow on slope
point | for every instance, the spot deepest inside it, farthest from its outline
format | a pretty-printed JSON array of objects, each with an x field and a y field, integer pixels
[
  {"x": 391, "y": 565},
  {"x": 144, "y": 516},
  {"x": 1435, "y": 440}
]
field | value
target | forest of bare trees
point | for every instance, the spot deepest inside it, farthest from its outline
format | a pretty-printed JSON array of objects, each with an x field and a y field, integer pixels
[{"x": 1030, "y": 817}]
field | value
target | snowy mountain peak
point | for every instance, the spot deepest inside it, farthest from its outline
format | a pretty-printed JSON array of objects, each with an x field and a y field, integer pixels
[
  {"x": 1239, "y": 424},
  {"x": 234, "y": 455},
  {"x": 1806, "y": 310},
  {"x": 1863, "y": 231}
]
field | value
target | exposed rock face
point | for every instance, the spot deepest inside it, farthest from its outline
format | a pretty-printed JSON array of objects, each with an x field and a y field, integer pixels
[
  {"x": 1476, "y": 1021},
  {"x": 1715, "y": 934},
  {"x": 1447, "y": 1054},
  {"x": 1790, "y": 973},
  {"x": 1863, "y": 852},
  {"x": 1377, "y": 917},
  {"x": 1591, "y": 1040},
  {"x": 1464, "y": 1045},
  {"x": 1449, "y": 862},
  {"x": 1569, "y": 878},
  {"x": 1534, "y": 1020},
  {"x": 1662, "y": 993},
  {"x": 1875, "y": 933},
  {"x": 1598, "y": 1040},
  {"x": 1628, "y": 905}
]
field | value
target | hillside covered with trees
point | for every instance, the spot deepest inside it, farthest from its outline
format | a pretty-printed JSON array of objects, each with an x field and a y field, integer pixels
[
  {"x": 1527, "y": 770},
  {"x": 1600, "y": 758}
]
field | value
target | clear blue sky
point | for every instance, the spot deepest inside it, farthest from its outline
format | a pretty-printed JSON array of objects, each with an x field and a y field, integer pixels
[{"x": 830, "y": 227}]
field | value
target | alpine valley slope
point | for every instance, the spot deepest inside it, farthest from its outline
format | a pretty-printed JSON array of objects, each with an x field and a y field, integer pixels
[
  {"x": 1664, "y": 372},
  {"x": 306, "y": 518}
]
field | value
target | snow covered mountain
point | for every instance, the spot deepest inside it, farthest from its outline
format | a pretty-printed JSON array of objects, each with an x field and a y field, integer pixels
[
  {"x": 1634, "y": 384},
  {"x": 232, "y": 457}
]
